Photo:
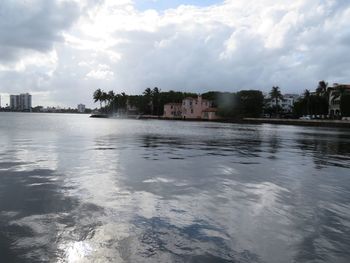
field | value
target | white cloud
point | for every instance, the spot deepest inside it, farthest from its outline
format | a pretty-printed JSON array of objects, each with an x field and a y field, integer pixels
[
  {"x": 102, "y": 72},
  {"x": 230, "y": 46}
]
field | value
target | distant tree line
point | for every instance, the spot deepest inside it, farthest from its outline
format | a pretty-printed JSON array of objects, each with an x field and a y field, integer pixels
[
  {"x": 58, "y": 110},
  {"x": 151, "y": 102},
  {"x": 246, "y": 103},
  {"x": 313, "y": 103}
]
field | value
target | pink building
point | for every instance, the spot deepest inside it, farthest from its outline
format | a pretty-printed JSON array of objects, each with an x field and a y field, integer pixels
[
  {"x": 192, "y": 108},
  {"x": 210, "y": 114},
  {"x": 173, "y": 111}
]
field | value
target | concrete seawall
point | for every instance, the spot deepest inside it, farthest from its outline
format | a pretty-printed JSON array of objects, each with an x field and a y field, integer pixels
[{"x": 316, "y": 123}]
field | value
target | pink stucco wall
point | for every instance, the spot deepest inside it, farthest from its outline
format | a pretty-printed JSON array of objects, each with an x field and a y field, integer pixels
[
  {"x": 192, "y": 108},
  {"x": 172, "y": 110}
]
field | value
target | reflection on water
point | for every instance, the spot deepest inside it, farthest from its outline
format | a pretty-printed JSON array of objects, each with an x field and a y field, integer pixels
[{"x": 74, "y": 189}]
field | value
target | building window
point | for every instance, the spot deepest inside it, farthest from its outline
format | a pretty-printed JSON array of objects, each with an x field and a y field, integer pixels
[{"x": 191, "y": 110}]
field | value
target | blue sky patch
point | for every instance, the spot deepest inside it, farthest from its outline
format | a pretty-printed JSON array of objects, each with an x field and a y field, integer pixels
[{"x": 166, "y": 4}]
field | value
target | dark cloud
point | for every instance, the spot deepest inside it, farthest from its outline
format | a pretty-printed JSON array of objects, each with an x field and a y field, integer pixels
[{"x": 33, "y": 25}]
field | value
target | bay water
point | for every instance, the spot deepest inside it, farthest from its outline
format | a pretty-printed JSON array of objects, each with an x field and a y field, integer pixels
[{"x": 75, "y": 189}]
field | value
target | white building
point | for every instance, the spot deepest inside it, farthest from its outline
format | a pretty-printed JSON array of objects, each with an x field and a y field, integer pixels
[
  {"x": 286, "y": 104},
  {"x": 335, "y": 94},
  {"x": 22, "y": 102},
  {"x": 81, "y": 108}
]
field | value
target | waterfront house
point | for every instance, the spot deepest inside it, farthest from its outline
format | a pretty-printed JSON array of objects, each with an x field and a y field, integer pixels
[
  {"x": 286, "y": 104},
  {"x": 210, "y": 114},
  {"x": 335, "y": 94},
  {"x": 173, "y": 111},
  {"x": 131, "y": 108},
  {"x": 192, "y": 108}
]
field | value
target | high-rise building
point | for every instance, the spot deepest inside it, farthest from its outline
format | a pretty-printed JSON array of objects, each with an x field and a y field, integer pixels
[
  {"x": 22, "y": 102},
  {"x": 81, "y": 108}
]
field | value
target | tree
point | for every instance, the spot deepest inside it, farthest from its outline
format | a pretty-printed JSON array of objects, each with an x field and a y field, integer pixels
[
  {"x": 318, "y": 105},
  {"x": 97, "y": 96},
  {"x": 110, "y": 96},
  {"x": 275, "y": 94},
  {"x": 321, "y": 89},
  {"x": 299, "y": 107},
  {"x": 155, "y": 101},
  {"x": 228, "y": 104},
  {"x": 111, "y": 100},
  {"x": 345, "y": 105},
  {"x": 311, "y": 105},
  {"x": 104, "y": 97},
  {"x": 307, "y": 99},
  {"x": 148, "y": 101},
  {"x": 251, "y": 103},
  {"x": 123, "y": 100}
]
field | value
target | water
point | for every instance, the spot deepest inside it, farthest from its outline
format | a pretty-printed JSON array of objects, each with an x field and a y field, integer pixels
[{"x": 74, "y": 189}]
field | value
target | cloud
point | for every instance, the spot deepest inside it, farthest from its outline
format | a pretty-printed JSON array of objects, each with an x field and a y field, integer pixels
[
  {"x": 227, "y": 46},
  {"x": 32, "y": 25},
  {"x": 102, "y": 72}
]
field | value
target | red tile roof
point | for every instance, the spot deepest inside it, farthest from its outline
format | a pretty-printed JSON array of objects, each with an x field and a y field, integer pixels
[{"x": 210, "y": 110}]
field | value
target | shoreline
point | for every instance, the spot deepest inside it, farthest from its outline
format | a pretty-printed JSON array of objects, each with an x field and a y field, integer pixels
[{"x": 294, "y": 122}]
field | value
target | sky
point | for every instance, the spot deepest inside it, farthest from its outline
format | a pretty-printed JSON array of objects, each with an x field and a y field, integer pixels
[{"x": 60, "y": 51}]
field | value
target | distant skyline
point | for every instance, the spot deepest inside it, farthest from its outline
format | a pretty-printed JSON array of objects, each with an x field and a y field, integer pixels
[{"x": 60, "y": 51}]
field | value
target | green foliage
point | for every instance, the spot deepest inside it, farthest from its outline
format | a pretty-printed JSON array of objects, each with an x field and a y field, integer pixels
[
  {"x": 250, "y": 103},
  {"x": 311, "y": 105},
  {"x": 275, "y": 94},
  {"x": 227, "y": 104},
  {"x": 345, "y": 105},
  {"x": 300, "y": 107},
  {"x": 213, "y": 96},
  {"x": 97, "y": 96},
  {"x": 245, "y": 103},
  {"x": 231, "y": 105},
  {"x": 321, "y": 89}
]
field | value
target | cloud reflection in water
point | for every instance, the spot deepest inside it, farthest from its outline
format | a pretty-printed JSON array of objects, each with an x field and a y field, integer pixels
[{"x": 135, "y": 191}]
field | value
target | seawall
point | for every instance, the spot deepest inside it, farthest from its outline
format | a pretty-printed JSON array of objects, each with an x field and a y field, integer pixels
[{"x": 316, "y": 123}]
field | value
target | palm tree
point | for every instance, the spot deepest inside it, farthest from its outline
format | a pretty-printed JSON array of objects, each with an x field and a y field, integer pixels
[
  {"x": 307, "y": 98},
  {"x": 155, "y": 100},
  {"x": 123, "y": 100},
  {"x": 104, "y": 97},
  {"x": 321, "y": 89},
  {"x": 275, "y": 94},
  {"x": 148, "y": 99},
  {"x": 110, "y": 96},
  {"x": 97, "y": 96},
  {"x": 110, "y": 99}
]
